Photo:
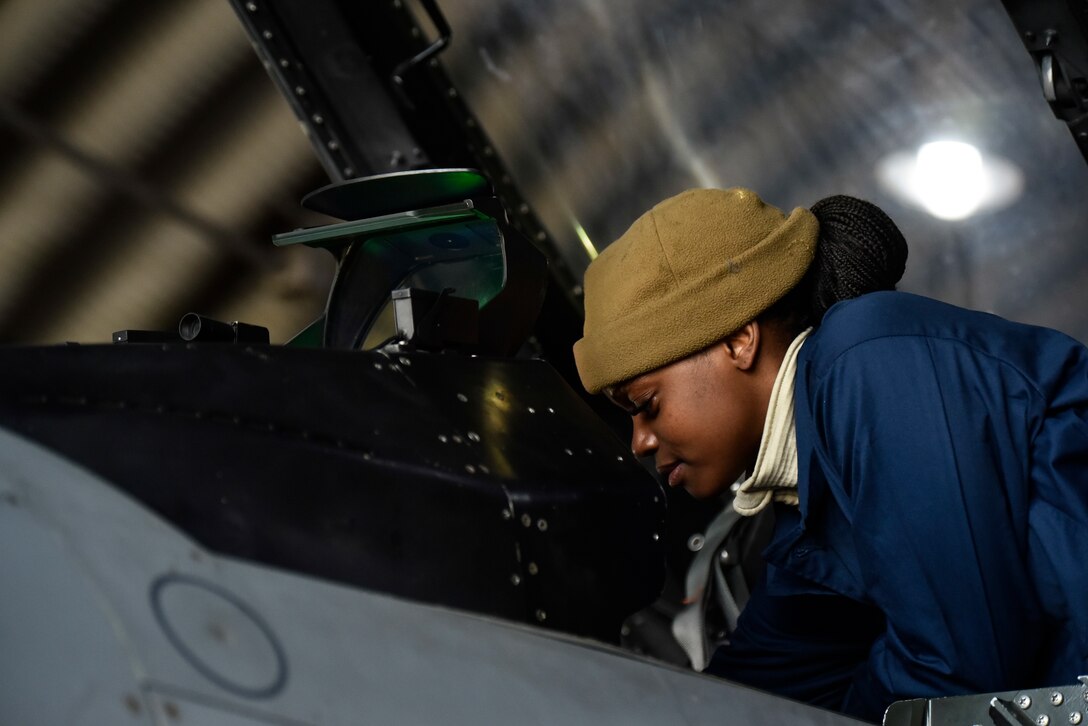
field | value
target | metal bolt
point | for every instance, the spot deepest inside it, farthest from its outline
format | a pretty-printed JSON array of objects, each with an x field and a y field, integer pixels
[
  {"x": 470, "y": 468},
  {"x": 551, "y": 410},
  {"x": 695, "y": 542},
  {"x": 1075, "y": 718},
  {"x": 457, "y": 439},
  {"x": 515, "y": 580},
  {"x": 484, "y": 469},
  {"x": 542, "y": 525},
  {"x": 619, "y": 458},
  {"x": 1043, "y": 720},
  {"x": 1056, "y": 698},
  {"x": 251, "y": 7},
  {"x": 377, "y": 366},
  {"x": 532, "y": 410},
  {"x": 473, "y": 436},
  {"x": 284, "y": 63},
  {"x": 526, "y": 520},
  {"x": 507, "y": 514},
  {"x": 589, "y": 451},
  {"x": 267, "y": 35},
  {"x": 656, "y": 536},
  {"x": 405, "y": 361},
  {"x": 300, "y": 91},
  {"x": 568, "y": 452},
  {"x": 723, "y": 556},
  {"x": 541, "y": 615},
  {"x": 533, "y": 569},
  {"x": 462, "y": 398},
  {"x": 1023, "y": 700},
  {"x": 318, "y": 119},
  {"x": 442, "y": 438}
]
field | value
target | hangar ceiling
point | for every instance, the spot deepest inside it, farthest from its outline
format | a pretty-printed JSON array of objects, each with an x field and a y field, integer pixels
[{"x": 147, "y": 158}]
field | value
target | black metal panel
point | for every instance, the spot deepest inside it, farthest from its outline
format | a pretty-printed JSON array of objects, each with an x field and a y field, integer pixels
[
  {"x": 311, "y": 53},
  {"x": 480, "y": 484},
  {"x": 1055, "y": 33}
]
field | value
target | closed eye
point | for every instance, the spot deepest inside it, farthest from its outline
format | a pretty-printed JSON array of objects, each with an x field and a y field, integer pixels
[{"x": 643, "y": 405}]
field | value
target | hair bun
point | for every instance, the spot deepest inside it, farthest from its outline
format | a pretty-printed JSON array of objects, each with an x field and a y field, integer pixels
[{"x": 861, "y": 250}]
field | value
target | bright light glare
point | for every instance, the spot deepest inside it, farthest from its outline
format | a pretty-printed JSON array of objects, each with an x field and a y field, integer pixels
[{"x": 951, "y": 179}]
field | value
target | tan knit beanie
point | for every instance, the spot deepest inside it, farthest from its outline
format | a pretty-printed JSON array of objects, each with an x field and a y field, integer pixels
[{"x": 686, "y": 274}]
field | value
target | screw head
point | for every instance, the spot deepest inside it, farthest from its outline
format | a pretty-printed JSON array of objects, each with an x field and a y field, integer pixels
[
  {"x": 542, "y": 525},
  {"x": 1043, "y": 720},
  {"x": 526, "y": 520},
  {"x": 507, "y": 514},
  {"x": 1075, "y": 718},
  {"x": 1056, "y": 698},
  {"x": 723, "y": 556},
  {"x": 462, "y": 398},
  {"x": 473, "y": 436},
  {"x": 1023, "y": 700},
  {"x": 541, "y": 615},
  {"x": 533, "y": 569},
  {"x": 515, "y": 580},
  {"x": 695, "y": 542}
]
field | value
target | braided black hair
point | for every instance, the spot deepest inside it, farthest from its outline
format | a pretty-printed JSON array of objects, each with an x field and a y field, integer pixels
[{"x": 860, "y": 250}]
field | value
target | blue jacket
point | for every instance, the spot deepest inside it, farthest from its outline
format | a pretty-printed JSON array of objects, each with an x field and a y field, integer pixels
[{"x": 941, "y": 542}]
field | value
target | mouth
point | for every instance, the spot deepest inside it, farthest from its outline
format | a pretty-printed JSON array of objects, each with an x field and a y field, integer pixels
[{"x": 672, "y": 473}]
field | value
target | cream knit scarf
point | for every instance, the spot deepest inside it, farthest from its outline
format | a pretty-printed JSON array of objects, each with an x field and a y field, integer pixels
[{"x": 775, "y": 475}]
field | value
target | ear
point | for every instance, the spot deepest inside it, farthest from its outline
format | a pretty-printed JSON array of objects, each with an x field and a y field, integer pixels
[{"x": 743, "y": 345}]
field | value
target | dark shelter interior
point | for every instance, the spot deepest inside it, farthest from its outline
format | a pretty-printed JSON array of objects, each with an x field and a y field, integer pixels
[{"x": 383, "y": 307}]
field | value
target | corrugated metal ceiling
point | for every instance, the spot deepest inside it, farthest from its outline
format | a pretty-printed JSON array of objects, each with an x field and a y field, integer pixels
[{"x": 147, "y": 159}]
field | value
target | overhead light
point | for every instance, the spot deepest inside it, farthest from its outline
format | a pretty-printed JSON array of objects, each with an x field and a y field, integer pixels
[{"x": 950, "y": 179}]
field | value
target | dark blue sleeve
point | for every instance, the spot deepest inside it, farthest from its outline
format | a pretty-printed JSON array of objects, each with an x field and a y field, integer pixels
[
  {"x": 798, "y": 641},
  {"x": 924, "y": 444}
]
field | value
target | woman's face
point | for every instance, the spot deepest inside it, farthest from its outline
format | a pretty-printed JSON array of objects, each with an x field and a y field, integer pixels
[{"x": 701, "y": 418}]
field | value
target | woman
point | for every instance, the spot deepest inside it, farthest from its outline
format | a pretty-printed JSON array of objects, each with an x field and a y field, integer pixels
[{"x": 928, "y": 465}]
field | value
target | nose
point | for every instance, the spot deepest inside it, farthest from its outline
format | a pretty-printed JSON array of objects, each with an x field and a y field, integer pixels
[{"x": 643, "y": 440}]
